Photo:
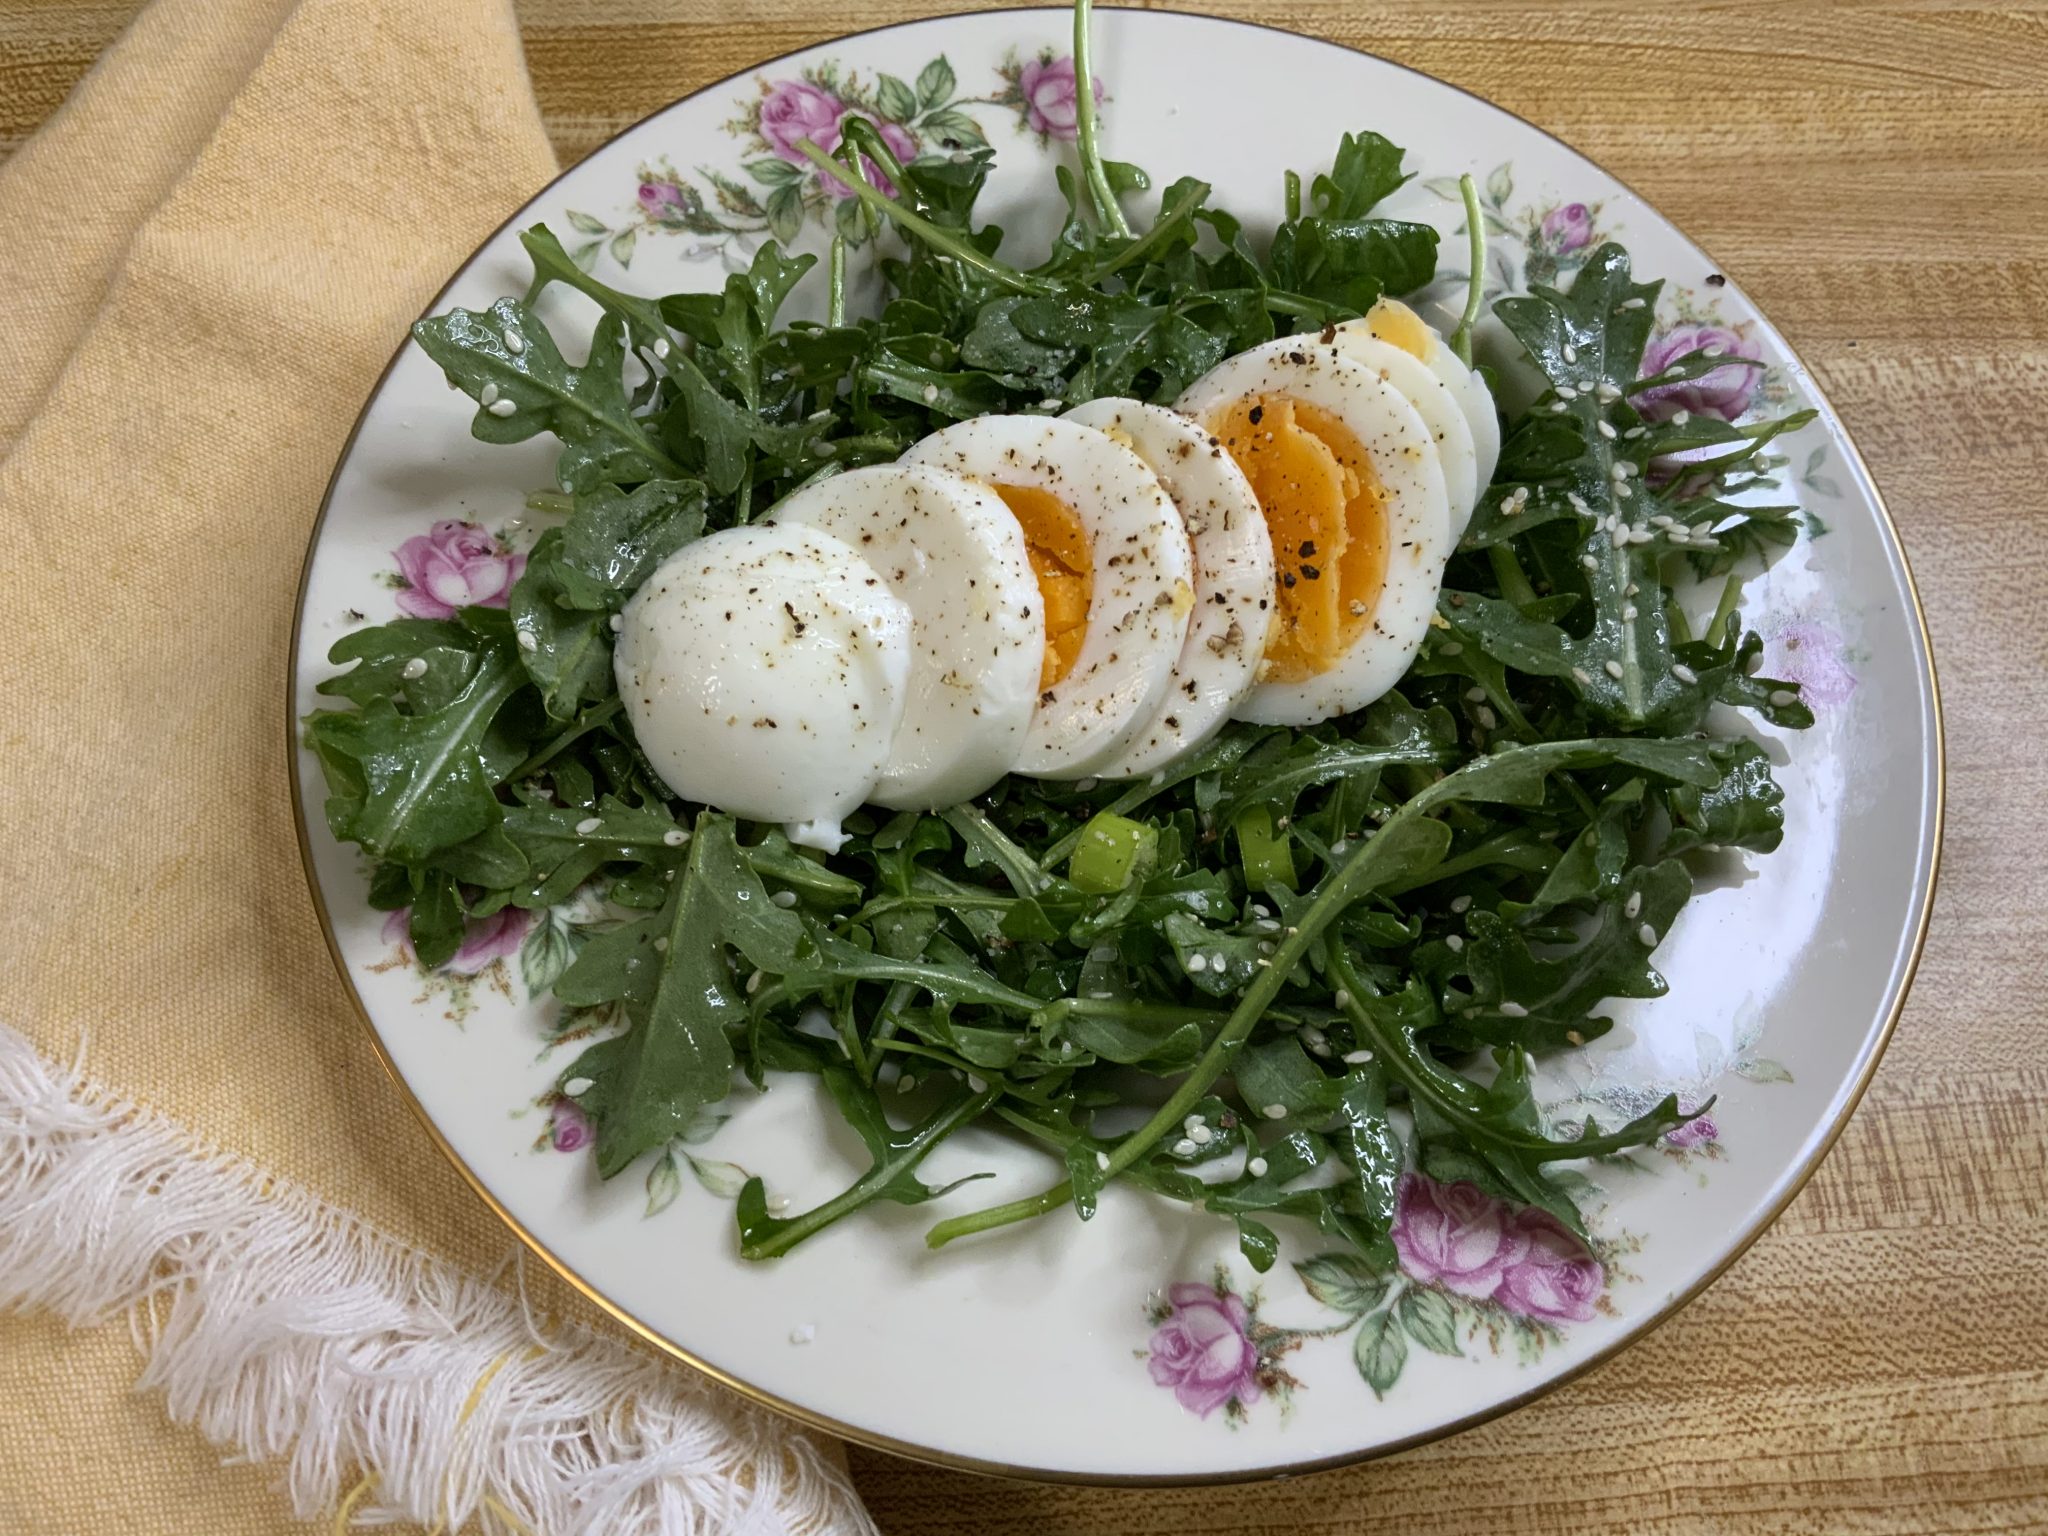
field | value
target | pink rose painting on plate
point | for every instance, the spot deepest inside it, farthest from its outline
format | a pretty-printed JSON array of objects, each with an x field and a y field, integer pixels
[
  {"x": 779, "y": 189},
  {"x": 451, "y": 566},
  {"x": 1469, "y": 1268}
]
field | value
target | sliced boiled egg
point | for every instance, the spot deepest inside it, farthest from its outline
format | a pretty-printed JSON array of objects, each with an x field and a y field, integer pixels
[
  {"x": 1396, "y": 324},
  {"x": 1436, "y": 402},
  {"x": 1352, "y": 487},
  {"x": 951, "y": 550},
  {"x": 764, "y": 670},
  {"x": 1114, "y": 576},
  {"x": 1227, "y": 632}
]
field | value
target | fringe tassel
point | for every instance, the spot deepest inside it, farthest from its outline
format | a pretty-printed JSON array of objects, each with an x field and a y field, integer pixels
[{"x": 291, "y": 1331}]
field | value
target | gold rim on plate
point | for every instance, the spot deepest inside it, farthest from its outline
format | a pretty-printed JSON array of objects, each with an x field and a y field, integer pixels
[{"x": 928, "y": 1455}]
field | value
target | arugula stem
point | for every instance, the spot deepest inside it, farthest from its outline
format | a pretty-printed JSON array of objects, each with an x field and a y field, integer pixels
[
  {"x": 835, "y": 294},
  {"x": 945, "y": 242},
  {"x": 1724, "y": 611},
  {"x": 1475, "y": 282},
  {"x": 886, "y": 1171},
  {"x": 1291, "y": 193},
  {"x": 1507, "y": 570},
  {"x": 559, "y": 502},
  {"x": 1480, "y": 857},
  {"x": 862, "y": 134},
  {"x": 592, "y": 719},
  {"x": 1106, "y": 206},
  {"x": 1169, "y": 220}
]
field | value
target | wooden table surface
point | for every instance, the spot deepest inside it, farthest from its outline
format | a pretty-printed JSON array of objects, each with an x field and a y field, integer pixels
[{"x": 1873, "y": 175}]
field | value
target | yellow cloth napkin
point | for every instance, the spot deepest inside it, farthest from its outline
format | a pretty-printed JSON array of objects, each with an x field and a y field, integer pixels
[{"x": 213, "y": 248}]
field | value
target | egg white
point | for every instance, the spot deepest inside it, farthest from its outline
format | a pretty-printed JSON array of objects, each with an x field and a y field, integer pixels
[
  {"x": 1143, "y": 578},
  {"x": 1390, "y": 318},
  {"x": 1417, "y": 505},
  {"x": 764, "y": 671},
  {"x": 952, "y": 552},
  {"x": 1435, "y": 400},
  {"x": 1233, "y": 556}
]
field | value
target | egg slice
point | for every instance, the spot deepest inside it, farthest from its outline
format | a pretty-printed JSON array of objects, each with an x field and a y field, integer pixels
[
  {"x": 1435, "y": 400},
  {"x": 1395, "y": 323},
  {"x": 1233, "y": 581},
  {"x": 1352, "y": 488},
  {"x": 952, "y": 552},
  {"x": 764, "y": 671},
  {"x": 1114, "y": 574}
]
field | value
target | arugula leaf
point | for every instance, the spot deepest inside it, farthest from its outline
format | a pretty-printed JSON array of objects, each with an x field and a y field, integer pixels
[{"x": 506, "y": 353}]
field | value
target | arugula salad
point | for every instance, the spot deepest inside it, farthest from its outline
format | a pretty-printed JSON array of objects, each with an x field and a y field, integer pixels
[{"x": 1248, "y": 865}]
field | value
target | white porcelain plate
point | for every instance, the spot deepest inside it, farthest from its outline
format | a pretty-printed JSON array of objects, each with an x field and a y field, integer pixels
[{"x": 1140, "y": 1345}]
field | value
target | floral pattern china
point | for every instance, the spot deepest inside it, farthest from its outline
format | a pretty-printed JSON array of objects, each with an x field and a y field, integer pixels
[{"x": 1157, "y": 1352}]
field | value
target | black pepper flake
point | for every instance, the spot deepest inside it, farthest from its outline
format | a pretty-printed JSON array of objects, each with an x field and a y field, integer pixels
[
  {"x": 1308, "y": 548},
  {"x": 790, "y": 609},
  {"x": 1329, "y": 335},
  {"x": 1286, "y": 580},
  {"x": 1310, "y": 573},
  {"x": 1256, "y": 415},
  {"x": 1716, "y": 280},
  {"x": 764, "y": 723}
]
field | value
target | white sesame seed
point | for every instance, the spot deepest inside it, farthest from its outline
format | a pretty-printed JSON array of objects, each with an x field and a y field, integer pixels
[
  {"x": 1313, "y": 1035},
  {"x": 1628, "y": 613},
  {"x": 1263, "y": 963},
  {"x": 1461, "y": 903},
  {"x": 1571, "y": 353},
  {"x": 1648, "y": 935},
  {"x": 501, "y": 408},
  {"x": 1049, "y": 403},
  {"x": 1451, "y": 648},
  {"x": 777, "y": 1204},
  {"x": 1606, "y": 429},
  {"x": 1631, "y": 908},
  {"x": 1475, "y": 695},
  {"x": 1780, "y": 697},
  {"x": 1566, "y": 392},
  {"x": 417, "y": 667},
  {"x": 803, "y": 1334},
  {"x": 754, "y": 982},
  {"x": 1607, "y": 392},
  {"x": 588, "y": 825},
  {"x": 1633, "y": 432},
  {"x": 1357, "y": 1058},
  {"x": 487, "y": 394},
  {"x": 1275, "y": 1111},
  {"x": 1612, "y": 669},
  {"x": 1630, "y": 590},
  {"x": 1102, "y": 1161},
  {"x": 1631, "y": 304},
  {"x": 1085, "y": 785},
  {"x": 1486, "y": 718},
  {"x": 1680, "y": 418},
  {"x": 1581, "y": 676},
  {"x": 1713, "y": 349},
  {"x": 1589, "y": 562},
  {"x": 1340, "y": 999},
  {"x": 1684, "y": 673},
  {"x": 1625, "y": 470},
  {"x": 1622, "y": 491},
  {"x": 784, "y": 899},
  {"x": 906, "y": 1085},
  {"x": 1453, "y": 943},
  {"x": 1578, "y": 504},
  {"x": 1257, "y": 1167},
  {"x": 1267, "y": 925},
  {"x": 1510, "y": 507},
  {"x": 675, "y": 837},
  {"x": 1185, "y": 1147},
  {"x": 1322, "y": 1049},
  {"x": 1197, "y": 964},
  {"x": 1513, "y": 1011},
  {"x": 1216, "y": 961},
  {"x": 1260, "y": 911},
  {"x": 976, "y": 1084},
  {"x": 931, "y": 393},
  {"x": 1559, "y": 408},
  {"x": 1201, "y": 1135},
  {"x": 1620, "y": 537},
  {"x": 514, "y": 342},
  {"x": 618, "y": 622},
  {"x": 662, "y": 348}
]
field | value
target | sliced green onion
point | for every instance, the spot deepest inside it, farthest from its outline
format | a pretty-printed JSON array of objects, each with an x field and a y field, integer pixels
[
  {"x": 1111, "y": 848},
  {"x": 1267, "y": 853}
]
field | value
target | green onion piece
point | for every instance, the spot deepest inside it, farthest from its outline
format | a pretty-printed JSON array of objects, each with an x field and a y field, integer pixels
[
  {"x": 1111, "y": 847},
  {"x": 1267, "y": 854}
]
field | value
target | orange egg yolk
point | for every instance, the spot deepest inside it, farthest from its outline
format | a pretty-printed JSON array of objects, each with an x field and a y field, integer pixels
[
  {"x": 1397, "y": 325},
  {"x": 1326, "y": 512},
  {"x": 1057, "y": 544}
]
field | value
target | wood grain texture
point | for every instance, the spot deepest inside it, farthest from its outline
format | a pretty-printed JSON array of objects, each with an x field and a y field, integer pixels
[{"x": 1872, "y": 174}]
